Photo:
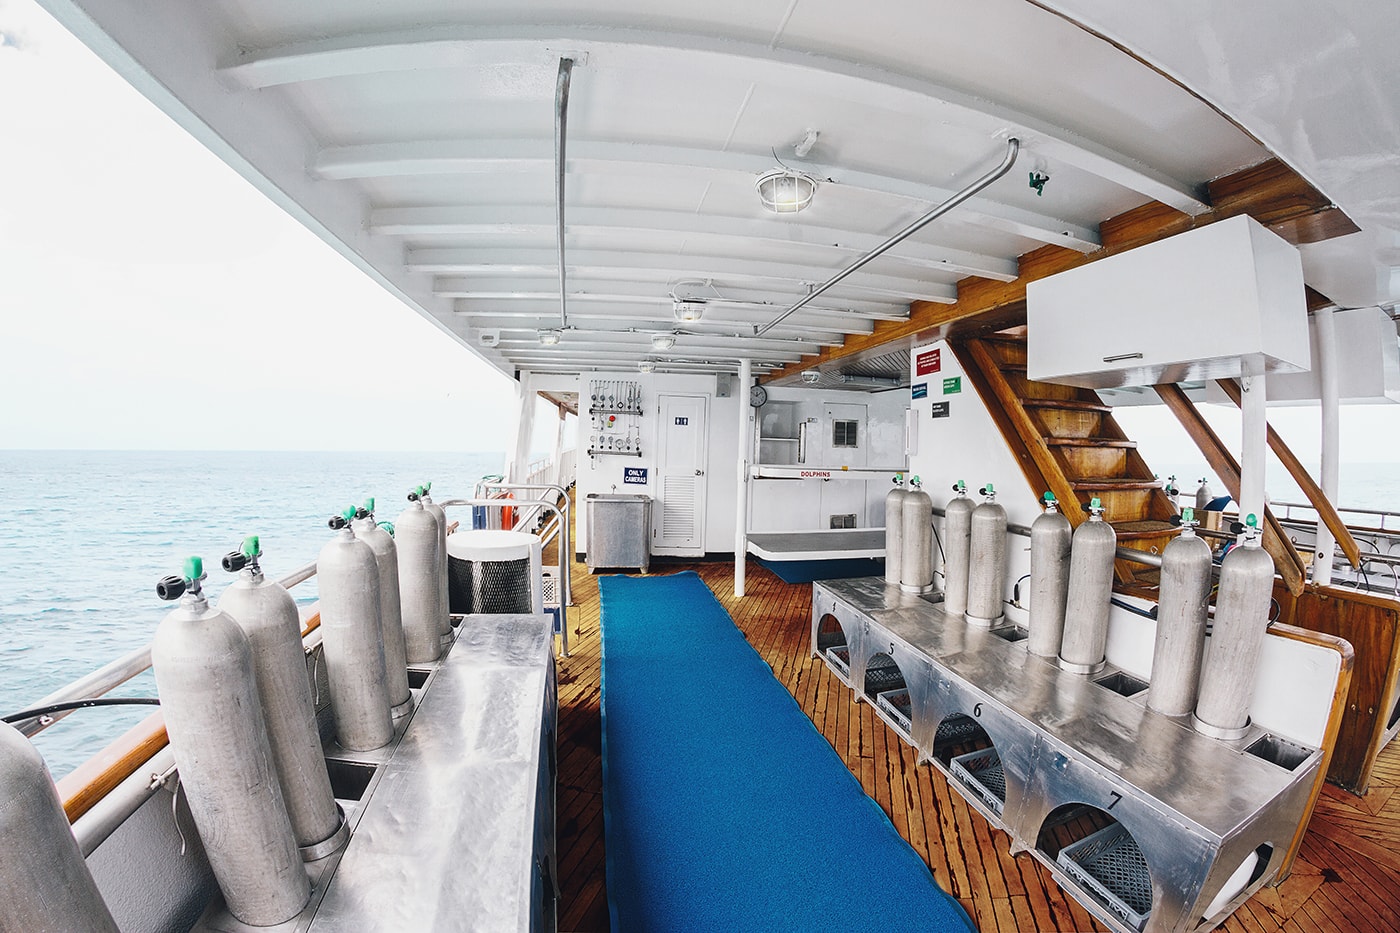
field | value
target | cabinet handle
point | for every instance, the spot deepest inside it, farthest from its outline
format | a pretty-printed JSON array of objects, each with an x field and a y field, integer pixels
[{"x": 1122, "y": 356}]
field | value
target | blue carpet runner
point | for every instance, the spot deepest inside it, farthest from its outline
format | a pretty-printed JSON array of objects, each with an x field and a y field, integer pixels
[{"x": 724, "y": 808}]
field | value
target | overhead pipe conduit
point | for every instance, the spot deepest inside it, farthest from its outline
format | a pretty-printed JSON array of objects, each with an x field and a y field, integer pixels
[
  {"x": 1013, "y": 147},
  {"x": 561, "y": 126}
]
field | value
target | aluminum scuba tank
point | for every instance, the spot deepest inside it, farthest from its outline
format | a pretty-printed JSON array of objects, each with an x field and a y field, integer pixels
[
  {"x": 444, "y": 620},
  {"x": 352, "y": 639},
  {"x": 957, "y": 542},
  {"x": 916, "y": 540},
  {"x": 268, "y": 615},
  {"x": 1204, "y": 495},
  {"x": 386, "y": 557},
  {"x": 986, "y": 571},
  {"x": 1181, "y": 621},
  {"x": 416, "y": 538},
  {"x": 1051, "y": 535},
  {"x": 894, "y": 531},
  {"x": 45, "y": 885},
  {"x": 1237, "y": 638},
  {"x": 1092, "y": 550},
  {"x": 209, "y": 698}
]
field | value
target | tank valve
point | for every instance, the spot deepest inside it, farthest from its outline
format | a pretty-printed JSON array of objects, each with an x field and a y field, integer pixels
[
  {"x": 915, "y": 483},
  {"x": 1249, "y": 528},
  {"x": 369, "y": 505},
  {"x": 989, "y": 492},
  {"x": 960, "y": 488},
  {"x": 1095, "y": 509},
  {"x": 342, "y": 520},
  {"x": 172, "y": 587},
  {"x": 388, "y": 526},
  {"x": 1051, "y": 503},
  {"x": 898, "y": 479},
  {"x": 416, "y": 494},
  {"x": 246, "y": 556}
]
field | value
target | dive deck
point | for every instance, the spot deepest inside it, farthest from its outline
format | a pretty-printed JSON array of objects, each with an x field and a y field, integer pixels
[{"x": 1347, "y": 875}]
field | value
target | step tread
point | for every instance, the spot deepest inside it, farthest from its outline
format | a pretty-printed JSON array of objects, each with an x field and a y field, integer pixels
[
  {"x": 1140, "y": 529},
  {"x": 1114, "y": 483},
  {"x": 1065, "y": 404},
  {"x": 1089, "y": 442}
]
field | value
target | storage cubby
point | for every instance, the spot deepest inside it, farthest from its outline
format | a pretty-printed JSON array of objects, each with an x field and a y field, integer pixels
[{"x": 1102, "y": 858}]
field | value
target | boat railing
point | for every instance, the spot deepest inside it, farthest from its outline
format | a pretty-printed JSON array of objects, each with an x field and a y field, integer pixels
[
  {"x": 114, "y": 673},
  {"x": 1309, "y": 514}
]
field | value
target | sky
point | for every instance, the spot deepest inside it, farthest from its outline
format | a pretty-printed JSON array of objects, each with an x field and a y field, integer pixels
[{"x": 150, "y": 298}]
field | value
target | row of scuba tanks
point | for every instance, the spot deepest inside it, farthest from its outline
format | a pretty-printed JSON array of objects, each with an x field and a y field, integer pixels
[
  {"x": 239, "y": 711},
  {"x": 1071, "y": 595}
]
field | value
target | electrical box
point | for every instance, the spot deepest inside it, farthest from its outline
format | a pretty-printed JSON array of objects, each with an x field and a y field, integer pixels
[{"x": 1217, "y": 302}]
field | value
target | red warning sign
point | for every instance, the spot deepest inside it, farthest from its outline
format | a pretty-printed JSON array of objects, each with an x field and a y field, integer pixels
[{"x": 929, "y": 361}]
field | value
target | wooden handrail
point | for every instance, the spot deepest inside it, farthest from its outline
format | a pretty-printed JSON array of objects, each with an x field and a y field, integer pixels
[
  {"x": 1330, "y": 732},
  {"x": 1300, "y": 475},
  {"x": 97, "y": 777},
  {"x": 1280, "y": 548}
]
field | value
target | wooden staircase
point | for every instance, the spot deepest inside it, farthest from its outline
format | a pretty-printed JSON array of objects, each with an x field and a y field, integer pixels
[{"x": 1067, "y": 441}]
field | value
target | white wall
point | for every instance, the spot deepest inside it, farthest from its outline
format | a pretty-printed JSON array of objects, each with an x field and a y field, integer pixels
[
  {"x": 604, "y": 473},
  {"x": 803, "y": 505}
]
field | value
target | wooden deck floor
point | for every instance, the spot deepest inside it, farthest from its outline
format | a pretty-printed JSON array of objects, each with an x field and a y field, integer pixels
[{"x": 1348, "y": 877}]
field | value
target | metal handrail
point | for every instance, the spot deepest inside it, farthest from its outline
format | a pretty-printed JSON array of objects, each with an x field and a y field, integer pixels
[
  {"x": 1289, "y": 506},
  {"x": 117, "y": 672},
  {"x": 565, "y": 520},
  {"x": 563, "y": 551}
]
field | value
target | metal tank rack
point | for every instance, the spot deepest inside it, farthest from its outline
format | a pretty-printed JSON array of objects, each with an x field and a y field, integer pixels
[{"x": 1052, "y": 746}]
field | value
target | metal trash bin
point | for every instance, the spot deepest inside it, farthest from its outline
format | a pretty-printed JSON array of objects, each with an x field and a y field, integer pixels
[
  {"x": 494, "y": 571},
  {"x": 619, "y": 531}
]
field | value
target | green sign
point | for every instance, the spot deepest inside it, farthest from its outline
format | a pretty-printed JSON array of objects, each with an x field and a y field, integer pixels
[{"x": 952, "y": 385}]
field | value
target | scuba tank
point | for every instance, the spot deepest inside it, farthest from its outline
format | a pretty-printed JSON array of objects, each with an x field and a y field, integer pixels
[
  {"x": 416, "y": 538},
  {"x": 386, "y": 556},
  {"x": 1051, "y": 535}
]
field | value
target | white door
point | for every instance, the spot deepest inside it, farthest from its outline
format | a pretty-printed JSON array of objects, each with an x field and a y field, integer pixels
[
  {"x": 678, "y": 516},
  {"x": 845, "y": 444}
]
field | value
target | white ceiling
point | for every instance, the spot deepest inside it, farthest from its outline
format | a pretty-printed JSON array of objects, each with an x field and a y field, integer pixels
[{"x": 417, "y": 137}]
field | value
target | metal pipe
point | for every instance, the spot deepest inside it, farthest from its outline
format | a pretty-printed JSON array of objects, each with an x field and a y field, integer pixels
[
  {"x": 1331, "y": 439},
  {"x": 1253, "y": 445},
  {"x": 565, "y": 523},
  {"x": 561, "y": 125},
  {"x": 1013, "y": 146},
  {"x": 115, "y": 807},
  {"x": 563, "y": 551},
  {"x": 741, "y": 504}
]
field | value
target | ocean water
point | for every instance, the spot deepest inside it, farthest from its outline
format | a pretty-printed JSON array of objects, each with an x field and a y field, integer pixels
[{"x": 85, "y": 535}]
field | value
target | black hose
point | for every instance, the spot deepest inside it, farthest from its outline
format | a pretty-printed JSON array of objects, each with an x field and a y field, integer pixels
[
  {"x": 78, "y": 704},
  {"x": 1145, "y": 613}
]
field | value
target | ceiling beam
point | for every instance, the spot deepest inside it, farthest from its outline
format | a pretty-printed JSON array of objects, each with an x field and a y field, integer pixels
[
  {"x": 661, "y": 267},
  {"x": 768, "y": 299},
  {"x": 762, "y": 64},
  {"x": 1271, "y": 193},
  {"x": 536, "y": 223},
  {"x": 495, "y": 156},
  {"x": 491, "y": 320}
]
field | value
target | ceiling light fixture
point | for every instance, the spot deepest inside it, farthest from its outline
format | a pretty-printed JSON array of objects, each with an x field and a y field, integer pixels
[
  {"x": 646, "y": 366},
  {"x": 784, "y": 191},
  {"x": 688, "y": 310},
  {"x": 811, "y": 377},
  {"x": 663, "y": 341},
  {"x": 549, "y": 336}
]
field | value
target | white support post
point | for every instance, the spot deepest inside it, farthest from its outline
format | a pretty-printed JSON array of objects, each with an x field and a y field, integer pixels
[
  {"x": 518, "y": 465},
  {"x": 1331, "y": 439},
  {"x": 741, "y": 508},
  {"x": 1253, "y": 446},
  {"x": 555, "y": 472}
]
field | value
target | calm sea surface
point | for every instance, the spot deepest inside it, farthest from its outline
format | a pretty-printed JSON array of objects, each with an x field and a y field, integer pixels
[{"x": 84, "y": 535}]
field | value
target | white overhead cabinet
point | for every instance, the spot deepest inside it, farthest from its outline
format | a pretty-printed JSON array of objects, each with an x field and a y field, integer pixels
[{"x": 1217, "y": 302}]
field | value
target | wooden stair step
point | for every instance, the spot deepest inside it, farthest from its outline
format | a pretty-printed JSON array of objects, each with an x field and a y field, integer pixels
[
  {"x": 1089, "y": 442},
  {"x": 1138, "y": 530},
  {"x": 1114, "y": 484},
  {"x": 1066, "y": 405}
]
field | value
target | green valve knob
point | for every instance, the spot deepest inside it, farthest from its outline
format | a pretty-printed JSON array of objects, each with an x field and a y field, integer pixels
[
  {"x": 1188, "y": 515},
  {"x": 1049, "y": 496},
  {"x": 419, "y": 490},
  {"x": 388, "y": 526},
  {"x": 1095, "y": 504},
  {"x": 1252, "y": 520},
  {"x": 990, "y": 490},
  {"x": 251, "y": 547},
  {"x": 348, "y": 513},
  {"x": 194, "y": 568},
  {"x": 369, "y": 504},
  {"x": 428, "y": 487}
]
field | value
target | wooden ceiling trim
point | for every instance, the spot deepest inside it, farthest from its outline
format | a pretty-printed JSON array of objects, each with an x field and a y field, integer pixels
[{"x": 1270, "y": 192}]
